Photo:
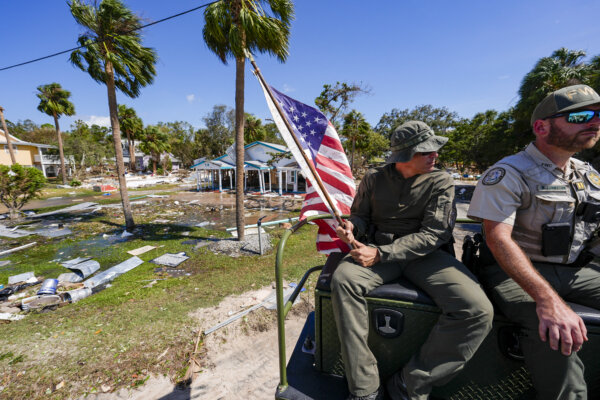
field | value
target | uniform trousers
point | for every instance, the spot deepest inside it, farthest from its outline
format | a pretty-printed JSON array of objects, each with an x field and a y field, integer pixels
[
  {"x": 465, "y": 320},
  {"x": 554, "y": 375}
]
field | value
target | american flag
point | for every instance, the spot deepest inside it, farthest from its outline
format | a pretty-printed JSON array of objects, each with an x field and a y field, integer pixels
[{"x": 323, "y": 147}]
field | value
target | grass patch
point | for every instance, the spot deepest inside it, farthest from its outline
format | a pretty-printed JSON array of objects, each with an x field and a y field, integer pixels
[{"x": 116, "y": 336}]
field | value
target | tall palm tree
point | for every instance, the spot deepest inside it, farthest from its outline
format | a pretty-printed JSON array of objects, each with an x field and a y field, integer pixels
[
  {"x": 113, "y": 55},
  {"x": 7, "y": 136},
  {"x": 232, "y": 27},
  {"x": 154, "y": 142},
  {"x": 132, "y": 125},
  {"x": 355, "y": 128},
  {"x": 54, "y": 101},
  {"x": 563, "y": 68}
]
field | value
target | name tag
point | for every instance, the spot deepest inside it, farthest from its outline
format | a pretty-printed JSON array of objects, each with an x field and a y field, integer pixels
[{"x": 552, "y": 188}]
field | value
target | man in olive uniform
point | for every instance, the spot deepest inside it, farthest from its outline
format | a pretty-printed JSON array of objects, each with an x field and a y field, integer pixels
[
  {"x": 540, "y": 210},
  {"x": 401, "y": 216}
]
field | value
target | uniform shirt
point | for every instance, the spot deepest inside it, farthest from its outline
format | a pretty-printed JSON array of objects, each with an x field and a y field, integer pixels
[
  {"x": 527, "y": 190},
  {"x": 404, "y": 218}
]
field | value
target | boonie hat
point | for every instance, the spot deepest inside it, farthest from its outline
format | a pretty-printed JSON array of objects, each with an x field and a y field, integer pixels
[
  {"x": 565, "y": 99},
  {"x": 413, "y": 137}
]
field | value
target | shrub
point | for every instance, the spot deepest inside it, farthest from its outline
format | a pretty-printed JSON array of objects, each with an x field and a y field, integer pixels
[
  {"x": 75, "y": 183},
  {"x": 18, "y": 185}
]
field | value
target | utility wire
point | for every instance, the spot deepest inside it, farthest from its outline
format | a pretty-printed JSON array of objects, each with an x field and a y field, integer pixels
[{"x": 85, "y": 45}]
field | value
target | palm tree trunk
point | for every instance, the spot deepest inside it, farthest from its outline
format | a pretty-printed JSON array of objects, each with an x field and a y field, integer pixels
[
  {"x": 132, "y": 165},
  {"x": 7, "y": 135},
  {"x": 114, "y": 122},
  {"x": 239, "y": 146},
  {"x": 60, "y": 150}
]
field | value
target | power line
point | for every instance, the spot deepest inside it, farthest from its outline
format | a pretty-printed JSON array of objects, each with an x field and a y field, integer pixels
[{"x": 79, "y": 47}]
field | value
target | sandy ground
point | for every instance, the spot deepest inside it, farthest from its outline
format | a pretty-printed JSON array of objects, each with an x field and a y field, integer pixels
[{"x": 240, "y": 359}]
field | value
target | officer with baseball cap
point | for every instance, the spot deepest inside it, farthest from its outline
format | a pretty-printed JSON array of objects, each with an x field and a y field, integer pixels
[
  {"x": 541, "y": 210},
  {"x": 401, "y": 216}
]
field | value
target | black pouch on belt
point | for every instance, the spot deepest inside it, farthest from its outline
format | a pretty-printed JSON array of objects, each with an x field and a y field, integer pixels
[
  {"x": 589, "y": 211},
  {"x": 556, "y": 239}
]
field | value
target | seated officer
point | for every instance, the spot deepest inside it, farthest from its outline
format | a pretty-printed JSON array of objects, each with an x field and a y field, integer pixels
[
  {"x": 401, "y": 216},
  {"x": 540, "y": 209}
]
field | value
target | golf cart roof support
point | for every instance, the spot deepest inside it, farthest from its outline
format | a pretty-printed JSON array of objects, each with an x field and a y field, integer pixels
[{"x": 283, "y": 309}]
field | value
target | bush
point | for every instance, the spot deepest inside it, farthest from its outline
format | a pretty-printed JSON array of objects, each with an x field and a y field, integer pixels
[
  {"x": 160, "y": 171},
  {"x": 75, "y": 183},
  {"x": 18, "y": 185}
]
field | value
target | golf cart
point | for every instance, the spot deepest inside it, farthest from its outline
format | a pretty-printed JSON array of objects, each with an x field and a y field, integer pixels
[{"x": 401, "y": 316}]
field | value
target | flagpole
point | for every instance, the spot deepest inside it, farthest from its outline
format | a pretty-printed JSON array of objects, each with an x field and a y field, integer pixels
[{"x": 289, "y": 127}]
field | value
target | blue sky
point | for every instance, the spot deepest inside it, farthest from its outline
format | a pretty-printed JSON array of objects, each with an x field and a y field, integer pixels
[{"x": 468, "y": 56}]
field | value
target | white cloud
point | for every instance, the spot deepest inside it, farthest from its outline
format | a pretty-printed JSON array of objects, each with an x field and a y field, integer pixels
[
  {"x": 287, "y": 88},
  {"x": 96, "y": 120},
  {"x": 190, "y": 97}
]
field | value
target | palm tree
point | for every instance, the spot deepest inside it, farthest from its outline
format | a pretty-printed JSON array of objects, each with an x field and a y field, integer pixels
[
  {"x": 113, "y": 54},
  {"x": 132, "y": 125},
  {"x": 563, "y": 68},
  {"x": 355, "y": 128},
  {"x": 231, "y": 27},
  {"x": 54, "y": 101},
  {"x": 7, "y": 136},
  {"x": 154, "y": 142}
]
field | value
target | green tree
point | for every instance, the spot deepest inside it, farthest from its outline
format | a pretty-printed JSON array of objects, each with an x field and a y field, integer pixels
[
  {"x": 113, "y": 55},
  {"x": 563, "y": 68},
  {"x": 18, "y": 185},
  {"x": 154, "y": 141},
  {"x": 272, "y": 134},
  {"x": 132, "y": 125},
  {"x": 254, "y": 129},
  {"x": 355, "y": 128},
  {"x": 230, "y": 29},
  {"x": 440, "y": 119},
  {"x": 334, "y": 100},
  {"x": 481, "y": 141},
  {"x": 181, "y": 139},
  {"x": 54, "y": 101},
  {"x": 89, "y": 146}
]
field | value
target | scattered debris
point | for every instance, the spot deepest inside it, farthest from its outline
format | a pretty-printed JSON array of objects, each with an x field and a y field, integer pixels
[
  {"x": 81, "y": 270},
  {"x": 11, "y": 317},
  {"x": 155, "y": 196},
  {"x": 161, "y": 221},
  {"x": 13, "y": 233},
  {"x": 76, "y": 207},
  {"x": 202, "y": 224},
  {"x": 17, "y": 248},
  {"x": 53, "y": 232},
  {"x": 77, "y": 294},
  {"x": 24, "y": 277},
  {"x": 48, "y": 287},
  {"x": 141, "y": 250},
  {"x": 4, "y": 262},
  {"x": 111, "y": 273},
  {"x": 40, "y": 302},
  {"x": 170, "y": 259},
  {"x": 126, "y": 234},
  {"x": 104, "y": 188}
]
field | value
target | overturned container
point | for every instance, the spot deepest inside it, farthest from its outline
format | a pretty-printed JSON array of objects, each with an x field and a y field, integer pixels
[
  {"x": 39, "y": 302},
  {"x": 77, "y": 294},
  {"x": 48, "y": 287}
]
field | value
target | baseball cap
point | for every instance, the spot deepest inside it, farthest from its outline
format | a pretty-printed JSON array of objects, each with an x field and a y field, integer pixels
[
  {"x": 565, "y": 99},
  {"x": 413, "y": 137}
]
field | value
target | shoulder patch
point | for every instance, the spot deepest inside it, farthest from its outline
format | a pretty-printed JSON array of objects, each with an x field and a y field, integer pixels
[
  {"x": 493, "y": 176},
  {"x": 593, "y": 178}
]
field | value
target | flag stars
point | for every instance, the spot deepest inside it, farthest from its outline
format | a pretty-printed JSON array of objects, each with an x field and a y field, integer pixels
[
  {"x": 312, "y": 132},
  {"x": 296, "y": 118},
  {"x": 292, "y": 109},
  {"x": 308, "y": 123},
  {"x": 304, "y": 115}
]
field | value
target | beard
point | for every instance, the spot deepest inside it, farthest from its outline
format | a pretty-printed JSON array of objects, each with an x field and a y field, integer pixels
[{"x": 572, "y": 142}]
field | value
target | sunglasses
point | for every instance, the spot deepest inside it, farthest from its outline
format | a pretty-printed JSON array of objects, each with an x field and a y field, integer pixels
[
  {"x": 578, "y": 117},
  {"x": 425, "y": 153}
]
